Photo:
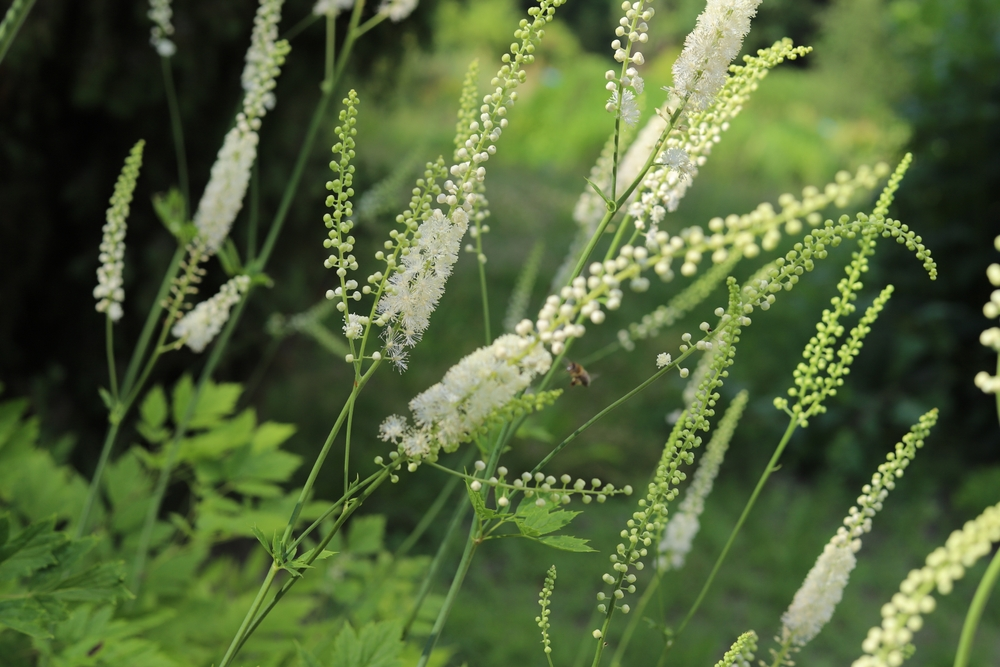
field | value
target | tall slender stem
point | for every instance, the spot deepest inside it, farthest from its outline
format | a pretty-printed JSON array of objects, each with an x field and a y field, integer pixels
[
  {"x": 151, "y": 319},
  {"x": 449, "y": 600},
  {"x": 600, "y": 415},
  {"x": 264, "y": 587},
  {"x": 12, "y": 22},
  {"x": 347, "y": 447},
  {"x": 456, "y": 519},
  {"x": 975, "y": 612},
  {"x": 92, "y": 493},
  {"x": 173, "y": 449},
  {"x": 483, "y": 292},
  {"x": 109, "y": 349},
  {"x": 772, "y": 465},
  {"x": 177, "y": 129},
  {"x": 640, "y": 608}
]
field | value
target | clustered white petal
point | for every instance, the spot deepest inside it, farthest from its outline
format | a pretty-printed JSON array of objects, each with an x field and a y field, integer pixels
[
  {"x": 701, "y": 68},
  {"x": 200, "y": 326},
  {"x": 887, "y": 644},
  {"x": 331, "y": 7},
  {"x": 110, "y": 292},
  {"x": 417, "y": 286},
  {"x": 161, "y": 13},
  {"x": 397, "y": 10},
  {"x": 450, "y": 411},
  {"x": 816, "y": 599},
  {"x": 223, "y": 197},
  {"x": 990, "y": 338}
]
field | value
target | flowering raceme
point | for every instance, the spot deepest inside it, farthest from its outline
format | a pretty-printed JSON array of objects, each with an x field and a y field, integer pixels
[
  {"x": 199, "y": 327},
  {"x": 227, "y": 186},
  {"x": 109, "y": 291},
  {"x": 161, "y": 13},
  {"x": 700, "y": 71},
  {"x": 450, "y": 412}
]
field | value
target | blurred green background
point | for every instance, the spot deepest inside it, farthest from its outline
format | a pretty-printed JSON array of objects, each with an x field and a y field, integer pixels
[{"x": 81, "y": 85}]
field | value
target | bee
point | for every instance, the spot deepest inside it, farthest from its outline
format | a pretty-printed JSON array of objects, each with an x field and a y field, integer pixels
[{"x": 577, "y": 374}]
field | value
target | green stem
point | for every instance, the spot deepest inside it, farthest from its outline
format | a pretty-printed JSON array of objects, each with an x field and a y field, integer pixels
[
  {"x": 109, "y": 349},
  {"x": 484, "y": 294},
  {"x": 640, "y": 607},
  {"x": 435, "y": 508},
  {"x": 294, "y": 31},
  {"x": 602, "y": 639},
  {"x": 593, "y": 420},
  {"x": 449, "y": 601},
  {"x": 772, "y": 465},
  {"x": 348, "y": 511},
  {"x": 779, "y": 657},
  {"x": 173, "y": 449},
  {"x": 151, "y": 319},
  {"x": 177, "y": 130},
  {"x": 264, "y": 587},
  {"x": 456, "y": 519},
  {"x": 324, "y": 452},
  {"x": 979, "y": 600},
  {"x": 347, "y": 447},
  {"x": 12, "y": 22},
  {"x": 253, "y": 223},
  {"x": 95, "y": 485}
]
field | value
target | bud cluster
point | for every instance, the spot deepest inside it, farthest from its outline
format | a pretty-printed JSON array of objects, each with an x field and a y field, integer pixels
[
  {"x": 339, "y": 221},
  {"x": 625, "y": 86},
  {"x": 886, "y": 644},
  {"x": 990, "y": 338}
]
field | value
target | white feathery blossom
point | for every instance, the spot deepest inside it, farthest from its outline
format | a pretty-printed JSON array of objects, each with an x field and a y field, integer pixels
[
  {"x": 628, "y": 110},
  {"x": 227, "y": 186},
  {"x": 354, "y": 326},
  {"x": 110, "y": 292},
  {"x": 638, "y": 152},
  {"x": 418, "y": 284},
  {"x": 397, "y": 10},
  {"x": 817, "y": 598},
  {"x": 448, "y": 413},
  {"x": 684, "y": 524},
  {"x": 820, "y": 593},
  {"x": 161, "y": 13},
  {"x": 200, "y": 326},
  {"x": 687, "y": 148},
  {"x": 700, "y": 70},
  {"x": 990, "y": 384},
  {"x": 331, "y": 7}
]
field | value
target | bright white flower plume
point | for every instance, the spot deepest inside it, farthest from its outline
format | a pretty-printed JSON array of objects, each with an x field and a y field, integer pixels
[
  {"x": 701, "y": 68},
  {"x": 331, "y": 7},
  {"x": 109, "y": 291},
  {"x": 161, "y": 13},
  {"x": 415, "y": 289},
  {"x": 814, "y": 602},
  {"x": 817, "y": 598},
  {"x": 227, "y": 186},
  {"x": 397, "y": 10},
  {"x": 448, "y": 413},
  {"x": 200, "y": 326}
]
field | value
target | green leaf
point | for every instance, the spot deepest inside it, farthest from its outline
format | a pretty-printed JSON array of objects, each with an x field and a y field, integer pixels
[
  {"x": 103, "y": 582},
  {"x": 25, "y": 615},
  {"x": 169, "y": 209},
  {"x": 222, "y": 439},
  {"x": 32, "y": 549},
  {"x": 365, "y": 534},
  {"x": 533, "y": 520},
  {"x": 262, "y": 539},
  {"x": 376, "y": 645},
  {"x": 229, "y": 257},
  {"x": 4, "y": 530},
  {"x": 306, "y": 658},
  {"x": 216, "y": 402},
  {"x": 106, "y": 397},
  {"x": 10, "y": 417},
  {"x": 154, "y": 407},
  {"x": 565, "y": 543},
  {"x": 271, "y": 434},
  {"x": 479, "y": 505}
]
